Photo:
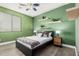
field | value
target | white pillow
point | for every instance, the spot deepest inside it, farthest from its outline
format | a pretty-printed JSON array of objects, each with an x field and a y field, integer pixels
[
  {"x": 39, "y": 34},
  {"x": 45, "y": 35},
  {"x": 50, "y": 34}
]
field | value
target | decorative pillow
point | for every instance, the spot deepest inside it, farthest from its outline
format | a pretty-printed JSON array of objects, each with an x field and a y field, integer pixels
[
  {"x": 45, "y": 34},
  {"x": 50, "y": 34}
]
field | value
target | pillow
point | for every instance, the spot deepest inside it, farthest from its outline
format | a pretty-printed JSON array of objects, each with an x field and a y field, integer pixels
[
  {"x": 50, "y": 34},
  {"x": 39, "y": 34},
  {"x": 45, "y": 34}
]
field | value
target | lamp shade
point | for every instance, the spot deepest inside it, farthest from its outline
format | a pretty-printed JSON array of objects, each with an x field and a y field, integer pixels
[
  {"x": 57, "y": 32},
  {"x": 35, "y": 31}
]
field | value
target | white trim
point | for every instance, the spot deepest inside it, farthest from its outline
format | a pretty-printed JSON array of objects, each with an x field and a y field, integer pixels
[
  {"x": 70, "y": 46},
  {"x": 76, "y": 52},
  {"x": 4, "y": 43}
]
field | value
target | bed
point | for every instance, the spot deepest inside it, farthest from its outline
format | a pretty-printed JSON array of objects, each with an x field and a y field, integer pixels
[{"x": 36, "y": 43}]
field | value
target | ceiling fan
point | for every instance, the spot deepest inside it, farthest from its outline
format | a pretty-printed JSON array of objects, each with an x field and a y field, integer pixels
[{"x": 29, "y": 6}]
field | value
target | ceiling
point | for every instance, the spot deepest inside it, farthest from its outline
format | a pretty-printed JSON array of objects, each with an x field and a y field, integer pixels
[{"x": 43, "y": 7}]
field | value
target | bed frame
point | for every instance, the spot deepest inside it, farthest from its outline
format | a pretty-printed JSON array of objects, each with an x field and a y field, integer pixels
[{"x": 30, "y": 52}]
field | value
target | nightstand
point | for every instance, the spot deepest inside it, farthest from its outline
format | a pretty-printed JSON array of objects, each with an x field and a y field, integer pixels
[{"x": 57, "y": 41}]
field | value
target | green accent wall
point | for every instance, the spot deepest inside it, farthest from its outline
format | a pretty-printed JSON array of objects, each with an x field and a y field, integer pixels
[
  {"x": 66, "y": 27},
  {"x": 27, "y": 26}
]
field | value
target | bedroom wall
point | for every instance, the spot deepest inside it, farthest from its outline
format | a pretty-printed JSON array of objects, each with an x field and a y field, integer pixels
[
  {"x": 77, "y": 32},
  {"x": 27, "y": 26},
  {"x": 66, "y": 27}
]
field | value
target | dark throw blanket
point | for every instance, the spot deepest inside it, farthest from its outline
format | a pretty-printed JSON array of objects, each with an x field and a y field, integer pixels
[{"x": 31, "y": 42}]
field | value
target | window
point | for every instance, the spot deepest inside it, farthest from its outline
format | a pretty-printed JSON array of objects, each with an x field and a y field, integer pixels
[
  {"x": 16, "y": 24},
  {"x": 9, "y": 22}
]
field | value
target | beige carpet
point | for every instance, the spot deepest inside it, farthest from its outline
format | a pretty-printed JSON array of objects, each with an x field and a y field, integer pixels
[{"x": 11, "y": 50}]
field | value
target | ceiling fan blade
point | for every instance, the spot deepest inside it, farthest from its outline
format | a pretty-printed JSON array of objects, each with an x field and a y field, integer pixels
[
  {"x": 27, "y": 9},
  {"x": 36, "y": 4},
  {"x": 34, "y": 9},
  {"x": 21, "y": 4}
]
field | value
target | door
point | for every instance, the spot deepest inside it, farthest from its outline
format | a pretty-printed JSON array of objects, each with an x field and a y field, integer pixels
[{"x": 77, "y": 34}]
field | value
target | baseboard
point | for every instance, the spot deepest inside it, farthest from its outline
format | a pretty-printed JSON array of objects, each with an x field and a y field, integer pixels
[
  {"x": 4, "y": 43},
  {"x": 70, "y": 46}
]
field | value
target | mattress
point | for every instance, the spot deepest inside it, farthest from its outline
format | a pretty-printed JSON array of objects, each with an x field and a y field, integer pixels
[{"x": 42, "y": 40}]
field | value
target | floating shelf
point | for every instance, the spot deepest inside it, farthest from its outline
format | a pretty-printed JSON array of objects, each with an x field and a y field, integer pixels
[{"x": 54, "y": 22}]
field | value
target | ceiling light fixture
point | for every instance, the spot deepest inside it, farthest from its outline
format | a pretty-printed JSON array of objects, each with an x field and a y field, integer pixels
[{"x": 29, "y": 6}]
